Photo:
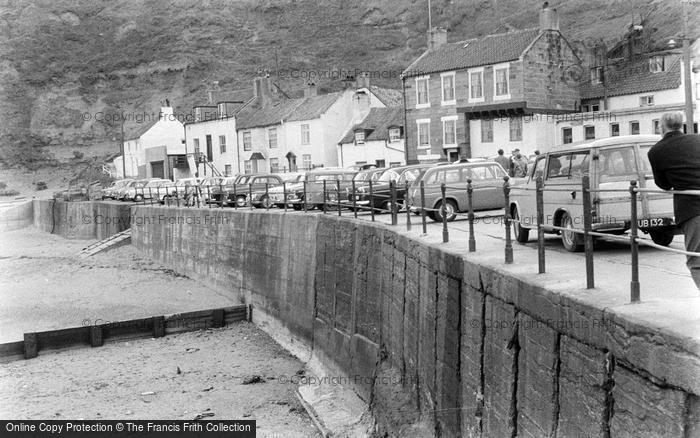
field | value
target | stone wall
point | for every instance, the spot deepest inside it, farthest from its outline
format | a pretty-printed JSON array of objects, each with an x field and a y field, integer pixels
[
  {"x": 436, "y": 345},
  {"x": 16, "y": 216},
  {"x": 81, "y": 220}
]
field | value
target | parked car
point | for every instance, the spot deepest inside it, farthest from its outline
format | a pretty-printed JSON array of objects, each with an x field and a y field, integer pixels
[
  {"x": 244, "y": 185},
  {"x": 362, "y": 178},
  {"x": 129, "y": 191},
  {"x": 610, "y": 163},
  {"x": 380, "y": 198},
  {"x": 186, "y": 188},
  {"x": 487, "y": 184},
  {"x": 164, "y": 191},
  {"x": 206, "y": 186},
  {"x": 111, "y": 191},
  {"x": 226, "y": 185},
  {"x": 314, "y": 197},
  {"x": 275, "y": 194},
  {"x": 149, "y": 189}
]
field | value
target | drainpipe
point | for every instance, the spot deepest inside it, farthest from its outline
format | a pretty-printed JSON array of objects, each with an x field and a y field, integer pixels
[{"x": 405, "y": 121}]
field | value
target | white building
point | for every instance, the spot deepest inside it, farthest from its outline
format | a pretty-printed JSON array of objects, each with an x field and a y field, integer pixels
[
  {"x": 156, "y": 150},
  {"x": 378, "y": 139}
]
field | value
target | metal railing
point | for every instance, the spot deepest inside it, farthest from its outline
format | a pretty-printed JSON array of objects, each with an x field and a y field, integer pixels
[{"x": 335, "y": 195}]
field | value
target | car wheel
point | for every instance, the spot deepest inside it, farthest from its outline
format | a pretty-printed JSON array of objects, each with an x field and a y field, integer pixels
[
  {"x": 385, "y": 207},
  {"x": 240, "y": 201},
  {"x": 450, "y": 211},
  {"x": 297, "y": 207},
  {"x": 138, "y": 198},
  {"x": 572, "y": 241},
  {"x": 663, "y": 236},
  {"x": 521, "y": 234},
  {"x": 265, "y": 202}
]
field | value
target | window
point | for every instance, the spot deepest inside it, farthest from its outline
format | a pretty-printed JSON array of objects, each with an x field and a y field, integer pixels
[
  {"x": 595, "y": 107},
  {"x": 306, "y": 161},
  {"x": 656, "y": 126},
  {"x": 380, "y": 163},
  {"x": 614, "y": 129},
  {"x": 617, "y": 164},
  {"x": 227, "y": 170},
  {"x": 502, "y": 89},
  {"x": 646, "y": 100},
  {"x": 422, "y": 98},
  {"x": 597, "y": 75},
  {"x": 449, "y": 131},
  {"x": 423, "y": 133},
  {"x": 360, "y": 137},
  {"x": 272, "y": 138},
  {"x": 476, "y": 85},
  {"x": 589, "y": 132},
  {"x": 538, "y": 168},
  {"x": 448, "y": 88},
  {"x": 248, "y": 166},
  {"x": 566, "y": 135},
  {"x": 247, "y": 142},
  {"x": 487, "y": 130},
  {"x": 657, "y": 64},
  {"x": 274, "y": 165},
  {"x": 222, "y": 144},
  {"x": 634, "y": 128},
  {"x": 568, "y": 165},
  {"x": 196, "y": 146},
  {"x": 394, "y": 135},
  {"x": 516, "y": 128},
  {"x": 305, "y": 135}
]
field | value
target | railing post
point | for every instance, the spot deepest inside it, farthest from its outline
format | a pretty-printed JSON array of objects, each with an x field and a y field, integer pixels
[
  {"x": 540, "y": 224},
  {"x": 267, "y": 195},
  {"x": 587, "y": 225},
  {"x": 354, "y": 199},
  {"x": 509, "y": 242},
  {"x": 284, "y": 195},
  {"x": 445, "y": 233},
  {"x": 177, "y": 197},
  {"x": 324, "y": 196},
  {"x": 634, "y": 283},
  {"x": 197, "y": 194},
  {"x": 337, "y": 187},
  {"x": 209, "y": 196},
  {"x": 250, "y": 195},
  {"x": 408, "y": 210},
  {"x": 392, "y": 192},
  {"x": 422, "y": 207},
  {"x": 470, "y": 205},
  {"x": 371, "y": 199},
  {"x": 224, "y": 197},
  {"x": 305, "y": 207},
  {"x": 150, "y": 195}
]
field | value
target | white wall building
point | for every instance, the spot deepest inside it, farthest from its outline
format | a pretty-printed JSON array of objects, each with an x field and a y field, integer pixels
[{"x": 378, "y": 139}]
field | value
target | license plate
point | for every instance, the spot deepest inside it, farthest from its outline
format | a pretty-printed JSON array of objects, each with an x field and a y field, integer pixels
[{"x": 654, "y": 222}]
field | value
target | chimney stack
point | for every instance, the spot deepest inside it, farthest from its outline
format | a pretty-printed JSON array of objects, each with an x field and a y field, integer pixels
[
  {"x": 310, "y": 89},
  {"x": 261, "y": 90},
  {"x": 437, "y": 36},
  {"x": 362, "y": 81},
  {"x": 549, "y": 18}
]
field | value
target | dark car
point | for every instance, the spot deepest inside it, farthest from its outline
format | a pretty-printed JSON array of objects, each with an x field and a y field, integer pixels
[
  {"x": 238, "y": 190},
  {"x": 274, "y": 196},
  {"x": 380, "y": 198},
  {"x": 314, "y": 194}
]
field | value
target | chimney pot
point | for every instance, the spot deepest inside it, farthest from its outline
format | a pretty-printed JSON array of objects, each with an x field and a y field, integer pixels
[
  {"x": 310, "y": 89},
  {"x": 549, "y": 18},
  {"x": 362, "y": 81}
]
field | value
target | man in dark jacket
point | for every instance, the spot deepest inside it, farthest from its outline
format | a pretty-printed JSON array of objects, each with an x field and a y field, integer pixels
[{"x": 675, "y": 161}]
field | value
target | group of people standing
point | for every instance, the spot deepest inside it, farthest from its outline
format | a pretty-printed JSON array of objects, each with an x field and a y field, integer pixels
[{"x": 516, "y": 165}]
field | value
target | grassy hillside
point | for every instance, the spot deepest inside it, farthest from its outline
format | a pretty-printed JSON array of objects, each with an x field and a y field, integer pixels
[{"x": 61, "y": 59}]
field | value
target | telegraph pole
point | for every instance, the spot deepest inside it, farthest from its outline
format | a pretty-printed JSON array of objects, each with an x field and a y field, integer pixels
[
  {"x": 689, "y": 121},
  {"x": 121, "y": 116}
]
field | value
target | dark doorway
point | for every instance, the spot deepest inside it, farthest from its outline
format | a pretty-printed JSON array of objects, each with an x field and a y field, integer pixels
[
  {"x": 157, "y": 169},
  {"x": 381, "y": 163},
  {"x": 209, "y": 148},
  {"x": 452, "y": 156}
]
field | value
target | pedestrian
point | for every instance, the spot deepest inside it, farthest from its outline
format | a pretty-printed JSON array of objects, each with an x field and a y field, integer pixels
[
  {"x": 503, "y": 160},
  {"x": 675, "y": 162},
  {"x": 519, "y": 166}
]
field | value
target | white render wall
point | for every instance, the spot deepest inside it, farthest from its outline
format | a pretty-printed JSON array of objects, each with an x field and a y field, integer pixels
[
  {"x": 372, "y": 151},
  {"x": 215, "y": 128},
  {"x": 537, "y": 134}
]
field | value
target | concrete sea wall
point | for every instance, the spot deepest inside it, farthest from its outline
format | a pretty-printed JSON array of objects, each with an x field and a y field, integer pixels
[
  {"x": 436, "y": 345},
  {"x": 71, "y": 220}
]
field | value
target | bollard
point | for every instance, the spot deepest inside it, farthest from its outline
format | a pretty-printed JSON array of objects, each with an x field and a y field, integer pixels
[
  {"x": 284, "y": 195},
  {"x": 250, "y": 195},
  {"x": 540, "y": 222},
  {"x": 371, "y": 200},
  {"x": 324, "y": 196},
  {"x": 634, "y": 283},
  {"x": 422, "y": 208},
  {"x": 470, "y": 215},
  {"x": 305, "y": 207},
  {"x": 443, "y": 210},
  {"x": 392, "y": 201},
  {"x": 509, "y": 242},
  {"x": 587, "y": 225},
  {"x": 354, "y": 199},
  {"x": 209, "y": 196},
  {"x": 267, "y": 196},
  {"x": 408, "y": 210},
  {"x": 337, "y": 185}
]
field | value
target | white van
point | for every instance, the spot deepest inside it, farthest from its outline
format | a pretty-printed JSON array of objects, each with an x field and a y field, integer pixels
[{"x": 611, "y": 163}]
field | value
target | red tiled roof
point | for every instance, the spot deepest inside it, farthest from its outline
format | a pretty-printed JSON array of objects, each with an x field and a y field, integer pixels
[
  {"x": 487, "y": 50},
  {"x": 388, "y": 96},
  {"x": 312, "y": 107},
  {"x": 632, "y": 77},
  {"x": 378, "y": 122}
]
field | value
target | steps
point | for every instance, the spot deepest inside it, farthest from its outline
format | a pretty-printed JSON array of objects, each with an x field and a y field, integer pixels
[{"x": 113, "y": 241}]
